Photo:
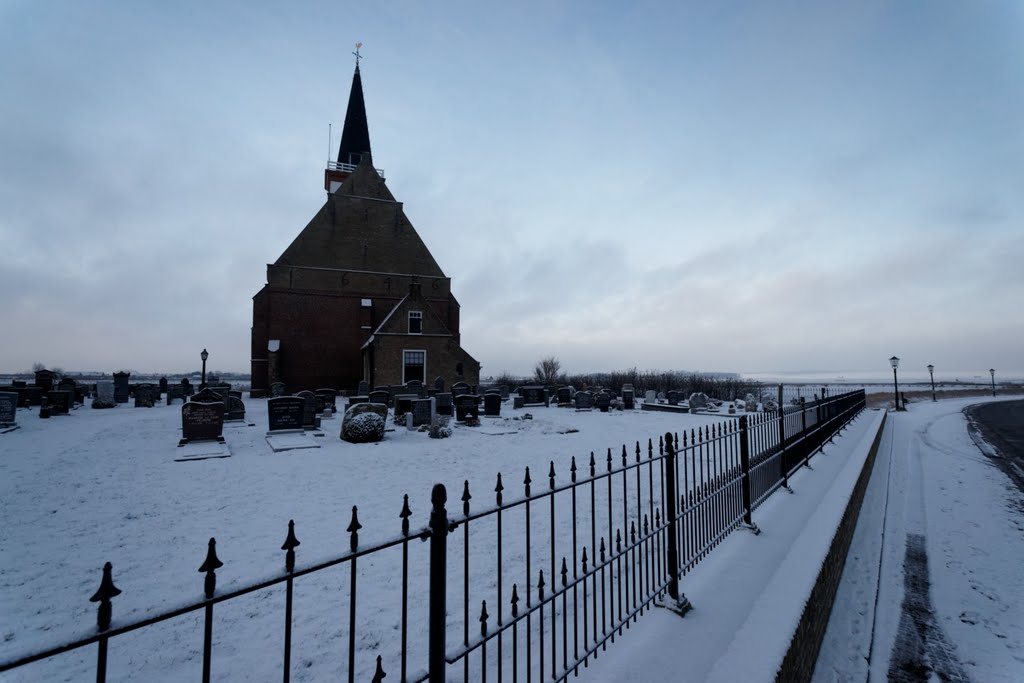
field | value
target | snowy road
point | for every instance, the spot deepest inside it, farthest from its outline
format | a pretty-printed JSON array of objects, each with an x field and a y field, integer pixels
[{"x": 932, "y": 584}]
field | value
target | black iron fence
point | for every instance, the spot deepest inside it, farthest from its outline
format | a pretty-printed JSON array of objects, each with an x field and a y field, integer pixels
[{"x": 567, "y": 565}]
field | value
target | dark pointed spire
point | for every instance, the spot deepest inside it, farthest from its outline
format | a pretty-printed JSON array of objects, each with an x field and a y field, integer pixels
[{"x": 355, "y": 136}]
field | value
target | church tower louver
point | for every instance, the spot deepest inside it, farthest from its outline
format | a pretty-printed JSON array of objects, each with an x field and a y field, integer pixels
[{"x": 356, "y": 296}]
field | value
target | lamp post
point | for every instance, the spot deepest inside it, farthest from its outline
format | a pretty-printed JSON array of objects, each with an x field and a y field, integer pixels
[
  {"x": 895, "y": 363},
  {"x": 931, "y": 373},
  {"x": 204, "y": 355},
  {"x": 992, "y": 371}
]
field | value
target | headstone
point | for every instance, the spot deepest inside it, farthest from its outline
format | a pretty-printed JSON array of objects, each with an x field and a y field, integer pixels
[
  {"x": 44, "y": 380},
  {"x": 467, "y": 406},
  {"x": 364, "y": 388},
  {"x": 534, "y": 396},
  {"x": 564, "y": 396},
  {"x": 284, "y": 413},
  {"x": 415, "y": 387},
  {"x": 277, "y": 389},
  {"x": 353, "y": 400},
  {"x": 649, "y": 397},
  {"x": 105, "y": 391},
  {"x": 403, "y": 404},
  {"x": 69, "y": 385},
  {"x": 439, "y": 384},
  {"x": 175, "y": 391},
  {"x": 604, "y": 401},
  {"x": 60, "y": 402},
  {"x": 145, "y": 395},
  {"x": 503, "y": 392},
  {"x": 673, "y": 398},
  {"x": 321, "y": 402},
  {"x": 583, "y": 400},
  {"x": 309, "y": 410},
  {"x": 424, "y": 412},
  {"x": 8, "y": 408},
  {"x": 202, "y": 422},
  {"x": 517, "y": 402},
  {"x": 209, "y": 395},
  {"x": 378, "y": 396},
  {"x": 460, "y": 388},
  {"x": 186, "y": 386},
  {"x": 34, "y": 395},
  {"x": 235, "y": 409},
  {"x": 628, "y": 400},
  {"x": 364, "y": 423},
  {"x": 661, "y": 396},
  {"x": 163, "y": 386},
  {"x": 121, "y": 386},
  {"x": 698, "y": 401},
  {"x": 492, "y": 405},
  {"x": 444, "y": 403},
  {"x": 329, "y": 397}
]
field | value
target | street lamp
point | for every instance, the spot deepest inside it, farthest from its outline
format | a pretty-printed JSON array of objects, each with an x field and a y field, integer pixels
[
  {"x": 931, "y": 372},
  {"x": 895, "y": 363},
  {"x": 204, "y": 355},
  {"x": 992, "y": 371}
]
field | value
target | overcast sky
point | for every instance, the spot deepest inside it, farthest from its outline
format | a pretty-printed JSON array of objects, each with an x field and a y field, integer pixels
[{"x": 733, "y": 186}]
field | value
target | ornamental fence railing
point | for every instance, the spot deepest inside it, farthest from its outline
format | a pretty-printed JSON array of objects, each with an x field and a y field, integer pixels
[{"x": 566, "y": 568}]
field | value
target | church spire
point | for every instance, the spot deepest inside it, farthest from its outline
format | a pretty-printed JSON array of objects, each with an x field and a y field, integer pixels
[{"x": 355, "y": 136}]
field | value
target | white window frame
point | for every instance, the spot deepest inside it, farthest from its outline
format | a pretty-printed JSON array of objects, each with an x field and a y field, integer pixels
[
  {"x": 424, "y": 352},
  {"x": 413, "y": 315}
]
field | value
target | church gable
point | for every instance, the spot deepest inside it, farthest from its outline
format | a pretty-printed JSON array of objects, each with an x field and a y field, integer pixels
[{"x": 413, "y": 315}]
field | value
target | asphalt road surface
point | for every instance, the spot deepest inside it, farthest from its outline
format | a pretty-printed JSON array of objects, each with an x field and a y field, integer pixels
[{"x": 1002, "y": 426}]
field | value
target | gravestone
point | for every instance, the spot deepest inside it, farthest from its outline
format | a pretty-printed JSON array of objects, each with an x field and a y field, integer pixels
[
  {"x": 202, "y": 422},
  {"x": 698, "y": 401},
  {"x": 34, "y": 395},
  {"x": 277, "y": 389},
  {"x": 467, "y": 406},
  {"x": 364, "y": 388},
  {"x": 285, "y": 413},
  {"x": 186, "y": 386},
  {"x": 460, "y": 388},
  {"x": 403, "y": 404},
  {"x": 649, "y": 397},
  {"x": 145, "y": 395},
  {"x": 60, "y": 402},
  {"x": 309, "y": 409},
  {"x": 235, "y": 409},
  {"x": 492, "y": 405},
  {"x": 209, "y": 395},
  {"x": 503, "y": 392},
  {"x": 8, "y": 408},
  {"x": 69, "y": 385},
  {"x": 121, "y": 386},
  {"x": 329, "y": 398},
  {"x": 321, "y": 402},
  {"x": 534, "y": 396},
  {"x": 628, "y": 400},
  {"x": 564, "y": 396},
  {"x": 44, "y": 380},
  {"x": 517, "y": 402},
  {"x": 163, "y": 386},
  {"x": 584, "y": 400},
  {"x": 105, "y": 391},
  {"x": 424, "y": 412},
  {"x": 444, "y": 404},
  {"x": 353, "y": 400},
  {"x": 175, "y": 391},
  {"x": 439, "y": 384},
  {"x": 379, "y": 396},
  {"x": 604, "y": 401},
  {"x": 415, "y": 387},
  {"x": 673, "y": 398}
]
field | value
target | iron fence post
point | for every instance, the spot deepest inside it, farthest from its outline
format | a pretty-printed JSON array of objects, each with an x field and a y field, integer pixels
[
  {"x": 745, "y": 475},
  {"x": 438, "y": 582},
  {"x": 677, "y": 600},
  {"x": 782, "y": 442}
]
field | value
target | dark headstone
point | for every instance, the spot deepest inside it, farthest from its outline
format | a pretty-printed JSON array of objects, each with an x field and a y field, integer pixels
[
  {"x": 467, "y": 406},
  {"x": 145, "y": 395},
  {"x": 415, "y": 387},
  {"x": 186, "y": 386},
  {"x": 439, "y": 384},
  {"x": 378, "y": 396},
  {"x": 503, "y": 392},
  {"x": 175, "y": 391},
  {"x": 277, "y": 389},
  {"x": 517, "y": 402},
  {"x": 353, "y": 400},
  {"x": 8, "y": 408},
  {"x": 121, "y": 387},
  {"x": 459, "y": 388},
  {"x": 534, "y": 396},
  {"x": 673, "y": 398},
  {"x": 321, "y": 402},
  {"x": 492, "y": 404},
  {"x": 309, "y": 409},
  {"x": 604, "y": 401},
  {"x": 584, "y": 400},
  {"x": 163, "y": 386},
  {"x": 444, "y": 403},
  {"x": 235, "y": 409},
  {"x": 403, "y": 404},
  {"x": 285, "y": 412},
  {"x": 564, "y": 396},
  {"x": 202, "y": 422},
  {"x": 423, "y": 412},
  {"x": 329, "y": 398},
  {"x": 628, "y": 399},
  {"x": 34, "y": 395},
  {"x": 44, "y": 380},
  {"x": 209, "y": 395},
  {"x": 364, "y": 388},
  {"x": 59, "y": 402}
]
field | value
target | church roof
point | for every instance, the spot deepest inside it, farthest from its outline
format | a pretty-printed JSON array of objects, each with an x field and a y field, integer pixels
[{"x": 355, "y": 136}]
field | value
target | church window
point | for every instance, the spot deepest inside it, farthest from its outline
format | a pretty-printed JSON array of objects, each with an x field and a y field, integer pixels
[
  {"x": 415, "y": 322},
  {"x": 414, "y": 366},
  {"x": 458, "y": 369}
]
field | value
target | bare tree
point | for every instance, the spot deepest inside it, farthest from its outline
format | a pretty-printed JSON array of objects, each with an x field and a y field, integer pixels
[
  {"x": 37, "y": 366},
  {"x": 547, "y": 369}
]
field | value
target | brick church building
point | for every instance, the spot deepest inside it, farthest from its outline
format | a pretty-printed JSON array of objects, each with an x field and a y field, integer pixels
[{"x": 357, "y": 296}]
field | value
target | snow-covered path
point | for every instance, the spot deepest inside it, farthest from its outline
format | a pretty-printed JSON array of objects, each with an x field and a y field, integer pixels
[{"x": 932, "y": 583}]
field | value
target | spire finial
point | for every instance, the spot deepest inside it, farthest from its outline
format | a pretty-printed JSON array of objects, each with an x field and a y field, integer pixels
[{"x": 358, "y": 56}]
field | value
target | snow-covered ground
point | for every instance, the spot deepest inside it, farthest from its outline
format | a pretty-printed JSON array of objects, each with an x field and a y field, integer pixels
[
  {"x": 934, "y": 577},
  {"x": 103, "y": 485}
]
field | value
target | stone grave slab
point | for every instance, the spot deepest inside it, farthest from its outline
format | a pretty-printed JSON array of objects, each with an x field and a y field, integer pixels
[
  {"x": 201, "y": 421},
  {"x": 202, "y": 450},
  {"x": 291, "y": 441}
]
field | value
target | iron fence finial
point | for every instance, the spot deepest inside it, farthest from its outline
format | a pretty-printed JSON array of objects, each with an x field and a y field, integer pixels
[
  {"x": 210, "y": 566},
  {"x": 290, "y": 544},
  {"x": 498, "y": 488},
  {"x": 103, "y": 594},
  {"x": 353, "y": 528},
  {"x": 405, "y": 514}
]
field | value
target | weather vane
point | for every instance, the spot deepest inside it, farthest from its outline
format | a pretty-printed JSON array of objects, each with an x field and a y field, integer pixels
[{"x": 356, "y": 53}]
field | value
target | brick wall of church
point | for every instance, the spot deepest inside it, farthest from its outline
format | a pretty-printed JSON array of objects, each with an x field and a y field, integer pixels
[{"x": 443, "y": 355}]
